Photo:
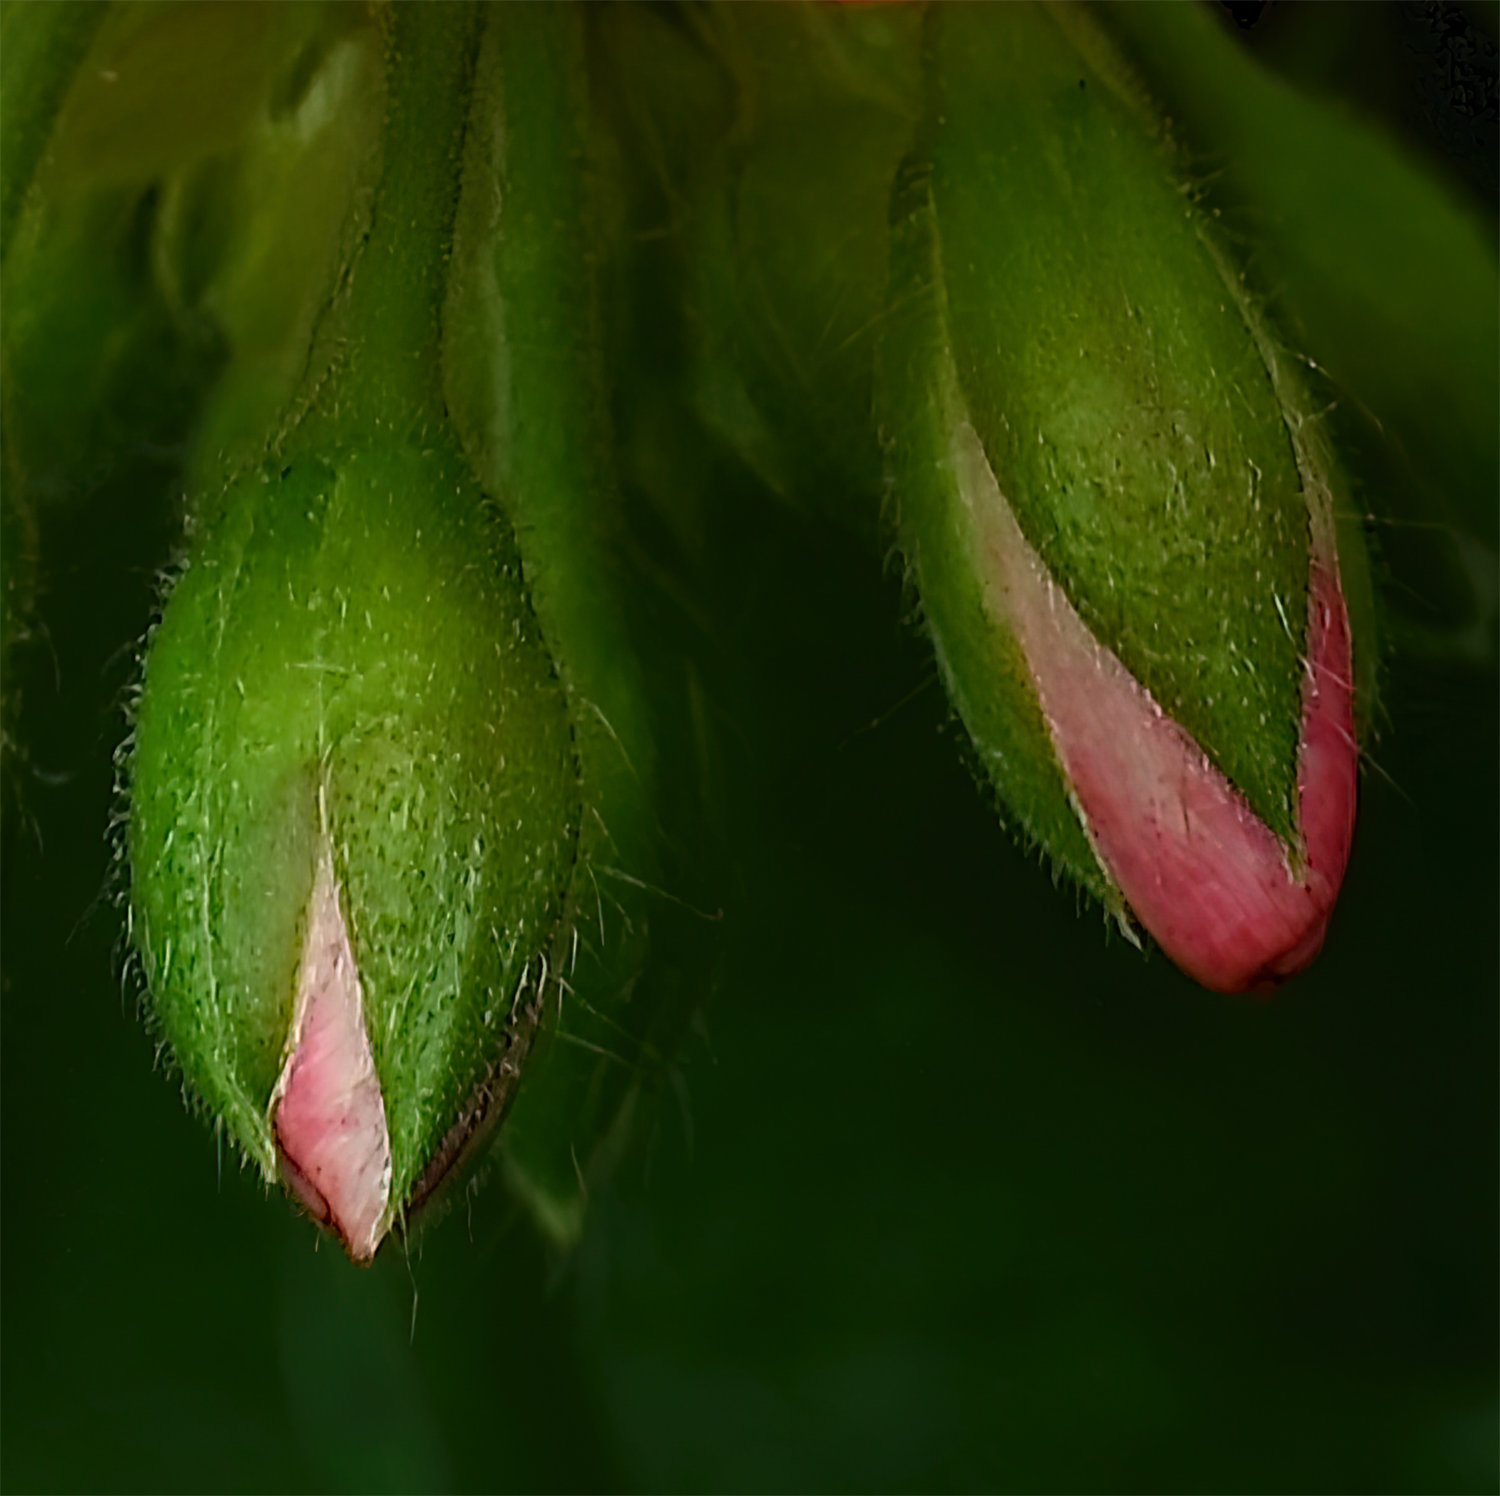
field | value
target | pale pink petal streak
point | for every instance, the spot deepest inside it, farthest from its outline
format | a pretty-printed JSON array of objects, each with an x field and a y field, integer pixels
[{"x": 327, "y": 1111}]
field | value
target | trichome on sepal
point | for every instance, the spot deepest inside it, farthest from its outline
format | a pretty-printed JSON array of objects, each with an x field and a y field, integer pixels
[
  {"x": 356, "y": 788},
  {"x": 1117, "y": 507}
]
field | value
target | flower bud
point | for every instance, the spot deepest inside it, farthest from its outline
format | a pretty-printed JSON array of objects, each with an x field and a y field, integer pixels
[
  {"x": 353, "y": 815},
  {"x": 354, "y": 805},
  {"x": 1117, "y": 511}
]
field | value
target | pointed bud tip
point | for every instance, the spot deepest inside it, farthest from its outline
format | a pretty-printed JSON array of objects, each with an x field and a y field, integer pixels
[
  {"x": 1197, "y": 867},
  {"x": 328, "y": 1114},
  {"x": 1223, "y": 898},
  {"x": 1211, "y": 882}
]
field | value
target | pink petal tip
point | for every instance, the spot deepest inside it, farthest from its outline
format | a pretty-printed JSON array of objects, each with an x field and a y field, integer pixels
[
  {"x": 1198, "y": 868},
  {"x": 328, "y": 1114}
]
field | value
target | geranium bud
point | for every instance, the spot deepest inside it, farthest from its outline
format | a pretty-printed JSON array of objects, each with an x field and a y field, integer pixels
[
  {"x": 1116, "y": 505},
  {"x": 354, "y": 808}
]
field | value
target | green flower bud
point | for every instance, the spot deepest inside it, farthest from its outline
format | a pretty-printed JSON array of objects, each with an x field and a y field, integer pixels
[
  {"x": 354, "y": 800},
  {"x": 1116, "y": 507}
]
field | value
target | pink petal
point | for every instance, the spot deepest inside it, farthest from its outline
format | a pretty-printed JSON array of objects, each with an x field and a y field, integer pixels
[
  {"x": 1198, "y": 868},
  {"x": 328, "y": 1113}
]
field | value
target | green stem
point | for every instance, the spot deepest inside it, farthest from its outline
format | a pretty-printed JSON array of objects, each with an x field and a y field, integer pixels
[{"x": 391, "y": 375}]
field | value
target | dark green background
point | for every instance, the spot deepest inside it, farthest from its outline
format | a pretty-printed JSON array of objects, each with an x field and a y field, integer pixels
[{"x": 956, "y": 1190}]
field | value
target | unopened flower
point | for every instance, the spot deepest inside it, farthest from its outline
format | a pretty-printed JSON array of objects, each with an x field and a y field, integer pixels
[
  {"x": 354, "y": 789},
  {"x": 1119, "y": 518}
]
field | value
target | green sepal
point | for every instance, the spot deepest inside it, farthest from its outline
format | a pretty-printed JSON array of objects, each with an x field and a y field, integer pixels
[
  {"x": 982, "y": 667},
  {"x": 1054, "y": 284},
  {"x": 349, "y": 659},
  {"x": 334, "y": 664},
  {"x": 1379, "y": 268}
]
